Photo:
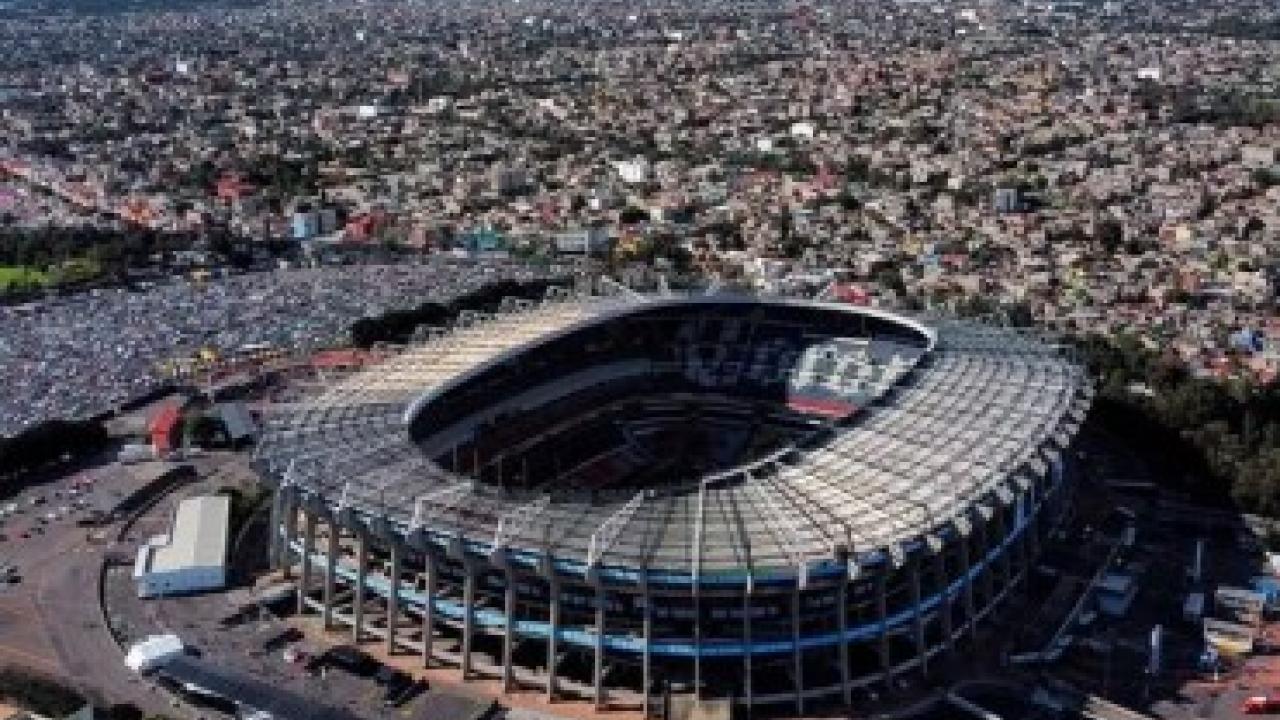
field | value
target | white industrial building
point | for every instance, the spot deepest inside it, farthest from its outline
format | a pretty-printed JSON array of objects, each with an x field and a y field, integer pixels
[{"x": 193, "y": 556}]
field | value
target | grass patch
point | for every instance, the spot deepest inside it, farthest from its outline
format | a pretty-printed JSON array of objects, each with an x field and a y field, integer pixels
[
  {"x": 11, "y": 277},
  {"x": 72, "y": 271}
]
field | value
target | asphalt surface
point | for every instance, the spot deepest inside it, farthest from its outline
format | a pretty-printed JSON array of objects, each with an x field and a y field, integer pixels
[{"x": 50, "y": 621}]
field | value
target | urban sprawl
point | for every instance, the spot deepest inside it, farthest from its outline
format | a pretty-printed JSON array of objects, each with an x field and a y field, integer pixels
[{"x": 1100, "y": 167}]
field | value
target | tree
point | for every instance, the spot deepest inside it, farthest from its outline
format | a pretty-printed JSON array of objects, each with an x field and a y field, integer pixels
[
  {"x": 1219, "y": 434},
  {"x": 48, "y": 443},
  {"x": 890, "y": 277},
  {"x": 632, "y": 215},
  {"x": 1109, "y": 235},
  {"x": 1265, "y": 177},
  {"x": 202, "y": 430},
  {"x": 37, "y": 692}
]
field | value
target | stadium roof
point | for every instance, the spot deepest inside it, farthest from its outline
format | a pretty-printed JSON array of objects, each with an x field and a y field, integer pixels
[{"x": 989, "y": 407}]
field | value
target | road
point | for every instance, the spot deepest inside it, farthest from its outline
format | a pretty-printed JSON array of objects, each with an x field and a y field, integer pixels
[
  {"x": 51, "y": 621},
  {"x": 68, "y": 604}
]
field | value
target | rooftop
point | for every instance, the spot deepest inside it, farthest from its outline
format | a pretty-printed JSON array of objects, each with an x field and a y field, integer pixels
[{"x": 199, "y": 535}]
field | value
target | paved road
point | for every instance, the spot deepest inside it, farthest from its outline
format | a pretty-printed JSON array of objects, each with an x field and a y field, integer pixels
[
  {"x": 68, "y": 603},
  {"x": 51, "y": 621},
  {"x": 24, "y": 639}
]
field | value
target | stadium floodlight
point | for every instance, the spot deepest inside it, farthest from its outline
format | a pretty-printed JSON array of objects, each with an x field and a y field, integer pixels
[
  {"x": 517, "y": 519},
  {"x": 619, "y": 288},
  {"x": 443, "y": 498},
  {"x": 608, "y": 531}
]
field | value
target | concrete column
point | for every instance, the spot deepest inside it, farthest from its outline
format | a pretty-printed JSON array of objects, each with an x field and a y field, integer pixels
[
  {"x": 917, "y": 619},
  {"x": 553, "y": 602},
  {"x": 697, "y": 645},
  {"x": 1033, "y": 536},
  {"x": 362, "y": 577},
  {"x": 277, "y": 546},
  {"x": 509, "y": 639},
  {"x": 797, "y": 656},
  {"x": 970, "y": 606},
  {"x": 882, "y": 615},
  {"x": 393, "y": 597},
  {"x": 330, "y": 573},
  {"x": 842, "y": 623},
  {"x": 1006, "y": 560},
  {"x": 984, "y": 548},
  {"x": 468, "y": 616},
  {"x": 290, "y": 523},
  {"x": 308, "y": 547},
  {"x": 429, "y": 611},
  {"x": 1024, "y": 556},
  {"x": 746, "y": 642},
  {"x": 944, "y": 597},
  {"x": 597, "y": 675},
  {"x": 646, "y": 658}
]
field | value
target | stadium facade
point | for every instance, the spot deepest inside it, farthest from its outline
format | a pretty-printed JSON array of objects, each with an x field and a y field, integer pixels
[{"x": 770, "y": 503}]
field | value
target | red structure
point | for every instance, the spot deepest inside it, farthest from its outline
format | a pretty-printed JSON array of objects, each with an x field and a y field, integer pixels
[
  {"x": 232, "y": 187},
  {"x": 163, "y": 428},
  {"x": 821, "y": 406},
  {"x": 342, "y": 359},
  {"x": 852, "y": 294},
  {"x": 1260, "y": 704},
  {"x": 363, "y": 228}
]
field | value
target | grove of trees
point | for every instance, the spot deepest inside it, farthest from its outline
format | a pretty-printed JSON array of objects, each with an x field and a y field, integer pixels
[
  {"x": 47, "y": 443},
  {"x": 1216, "y": 440},
  {"x": 38, "y": 692},
  {"x": 73, "y": 257}
]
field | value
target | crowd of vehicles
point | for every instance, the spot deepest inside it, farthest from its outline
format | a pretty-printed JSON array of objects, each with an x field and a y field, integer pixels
[{"x": 31, "y": 513}]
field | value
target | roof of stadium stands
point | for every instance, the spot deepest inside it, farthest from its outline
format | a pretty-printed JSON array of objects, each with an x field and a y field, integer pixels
[{"x": 971, "y": 416}]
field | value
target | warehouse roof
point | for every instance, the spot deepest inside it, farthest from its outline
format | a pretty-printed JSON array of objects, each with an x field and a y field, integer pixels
[
  {"x": 238, "y": 421},
  {"x": 198, "y": 537}
]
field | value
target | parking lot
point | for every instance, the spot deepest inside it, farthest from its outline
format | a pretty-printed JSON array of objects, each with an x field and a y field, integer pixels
[
  {"x": 1110, "y": 655},
  {"x": 261, "y": 644},
  {"x": 91, "y": 353}
]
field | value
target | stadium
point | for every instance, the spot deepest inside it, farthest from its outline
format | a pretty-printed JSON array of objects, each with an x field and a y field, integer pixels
[{"x": 771, "y": 504}]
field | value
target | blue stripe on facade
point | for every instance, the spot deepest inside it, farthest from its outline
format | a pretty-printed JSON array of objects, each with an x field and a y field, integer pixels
[{"x": 681, "y": 648}]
